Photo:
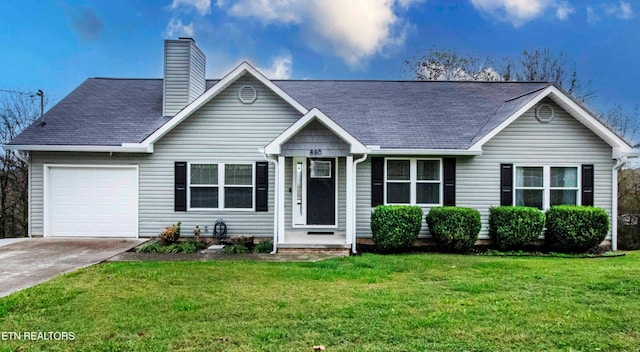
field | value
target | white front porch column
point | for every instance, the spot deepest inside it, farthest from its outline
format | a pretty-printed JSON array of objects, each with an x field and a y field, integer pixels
[
  {"x": 350, "y": 201},
  {"x": 281, "y": 191}
]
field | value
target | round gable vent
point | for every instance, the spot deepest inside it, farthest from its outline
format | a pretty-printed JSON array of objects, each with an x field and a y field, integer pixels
[
  {"x": 544, "y": 113},
  {"x": 247, "y": 94}
]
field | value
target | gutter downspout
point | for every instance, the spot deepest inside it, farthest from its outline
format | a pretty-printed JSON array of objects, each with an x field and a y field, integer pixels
[
  {"x": 614, "y": 202},
  {"x": 355, "y": 195},
  {"x": 275, "y": 202}
]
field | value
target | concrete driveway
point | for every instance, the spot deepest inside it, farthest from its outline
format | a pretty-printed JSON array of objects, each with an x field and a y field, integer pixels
[{"x": 33, "y": 261}]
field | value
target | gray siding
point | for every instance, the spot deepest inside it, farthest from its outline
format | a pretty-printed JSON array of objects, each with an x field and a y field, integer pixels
[
  {"x": 216, "y": 133},
  {"x": 315, "y": 136},
  {"x": 342, "y": 195},
  {"x": 184, "y": 74},
  {"x": 563, "y": 141},
  {"x": 197, "y": 80},
  {"x": 363, "y": 198}
]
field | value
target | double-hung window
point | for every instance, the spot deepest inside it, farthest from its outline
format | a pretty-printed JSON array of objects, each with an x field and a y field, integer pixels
[
  {"x": 544, "y": 186},
  {"x": 413, "y": 181},
  {"x": 238, "y": 186},
  {"x": 221, "y": 186},
  {"x": 204, "y": 185}
]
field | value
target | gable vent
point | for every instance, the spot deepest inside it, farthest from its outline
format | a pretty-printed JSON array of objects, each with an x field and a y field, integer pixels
[
  {"x": 544, "y": 113},
  {"x": 247, "y": 94}
]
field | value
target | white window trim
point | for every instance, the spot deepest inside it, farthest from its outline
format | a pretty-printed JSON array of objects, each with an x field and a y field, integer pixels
[
  {"x": 413, "y": 180},
  {"x": 546, "y": 183},
  {"x": 312, "y": 168},
  {"x": 221, "y": 186}
]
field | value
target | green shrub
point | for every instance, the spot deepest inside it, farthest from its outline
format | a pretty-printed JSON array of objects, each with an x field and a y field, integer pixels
[
  {"x": 190, "y": 246},
  {"x": 574, "y": 228},
  {"x": 263, "y": 247},
  {"x": 454, "y": 228},
  {"x": 515, "y": 227},
  {"x": 395, "y": 227},
  {"x": 150, "y": 247},
  {"x": 235, "y": 249}
]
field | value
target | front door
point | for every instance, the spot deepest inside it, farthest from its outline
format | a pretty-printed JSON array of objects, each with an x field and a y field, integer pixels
[{"x": 321, "y": 192}]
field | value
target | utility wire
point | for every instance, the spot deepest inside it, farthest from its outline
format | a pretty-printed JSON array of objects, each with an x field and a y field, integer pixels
[{"x": 17, "y": 92}]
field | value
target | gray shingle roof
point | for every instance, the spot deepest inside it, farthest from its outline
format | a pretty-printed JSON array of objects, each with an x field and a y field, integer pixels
[
  {"x": 404, "y": 114},
  {"x": 413, "y": 114}
]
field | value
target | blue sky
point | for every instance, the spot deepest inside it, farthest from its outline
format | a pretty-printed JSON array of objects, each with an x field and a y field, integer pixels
[{"x": 56, "y": 45}]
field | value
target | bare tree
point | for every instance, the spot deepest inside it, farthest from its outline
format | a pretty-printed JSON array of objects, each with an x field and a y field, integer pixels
[
  {"x": 448, "y": 65},
  {"x": 536, "y": 65},
  {"x": 17, "y": 111},
  {"x": 626, "y": 122}
]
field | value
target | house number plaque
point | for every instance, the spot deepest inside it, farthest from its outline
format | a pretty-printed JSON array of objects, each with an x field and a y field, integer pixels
[{"x": 315, "y": 152}]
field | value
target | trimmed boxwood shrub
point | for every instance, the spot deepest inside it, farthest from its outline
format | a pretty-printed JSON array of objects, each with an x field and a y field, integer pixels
[
  {"x": 572, "y": 228},
  {"x": 454, "y": 228},
  {"x": 515, "y": 227},
  {"x": 395, "y": 227}
]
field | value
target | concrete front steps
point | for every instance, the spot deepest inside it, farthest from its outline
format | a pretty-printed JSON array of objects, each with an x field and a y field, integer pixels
[{"x": 337, "y": 249}]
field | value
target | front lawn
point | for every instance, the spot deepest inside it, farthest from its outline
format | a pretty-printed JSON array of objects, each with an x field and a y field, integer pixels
[{"x": 420, "y": 302}]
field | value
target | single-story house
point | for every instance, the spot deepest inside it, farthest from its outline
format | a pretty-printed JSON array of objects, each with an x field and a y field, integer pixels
[{"x": 304, "y": 161}]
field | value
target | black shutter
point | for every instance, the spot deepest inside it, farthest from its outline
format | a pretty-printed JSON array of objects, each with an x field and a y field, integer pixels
[
  {"x": 262, "y": 186},
  {"x": 506, "y": 184},
  {"x": 377, "y": 181},
  {"x": 180, "y": 197},
  {"x": 587, "y": 184},
  {"x": 449, "y": 170}
]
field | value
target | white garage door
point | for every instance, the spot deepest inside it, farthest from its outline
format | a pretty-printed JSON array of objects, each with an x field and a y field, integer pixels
[{"x": 91, "y": 201}]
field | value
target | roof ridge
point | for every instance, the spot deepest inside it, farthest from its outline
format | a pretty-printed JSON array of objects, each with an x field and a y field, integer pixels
[
  {"x": 403, "y": 81},
  {"x": 527, "y": 93},
  {"x": 127, "y": 79}
]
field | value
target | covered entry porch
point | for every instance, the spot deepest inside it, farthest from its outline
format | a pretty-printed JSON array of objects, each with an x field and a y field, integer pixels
[{"x": 314, "y": 192}]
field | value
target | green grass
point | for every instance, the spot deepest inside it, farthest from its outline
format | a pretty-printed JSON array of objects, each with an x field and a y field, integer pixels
[{"x": 421, "y": 302}]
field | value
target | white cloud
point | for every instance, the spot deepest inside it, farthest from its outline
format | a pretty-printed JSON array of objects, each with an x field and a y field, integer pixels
[
  {"x": 176, "y": 28},
  {"x": 563, "y": 10},
  {"x": 353, "y": 29},
  {"x": 202, "y": 6},
  {"x": 405, "y": 4},
  {"x": 280, "y": 67},
  {"x": 592, "y": 16},
  {"x": 519, "y": 12},
  {"x": 622, "y": 11},
  {"x": 270, "y": 11}
]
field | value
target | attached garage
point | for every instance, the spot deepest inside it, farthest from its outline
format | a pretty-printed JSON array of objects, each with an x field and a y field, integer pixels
[{"x": 90, "y": 201}]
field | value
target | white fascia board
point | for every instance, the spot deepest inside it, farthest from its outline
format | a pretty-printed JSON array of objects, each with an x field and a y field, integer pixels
[
  {"x": 619, "y": 153},
  {"x": 588, "y": 120},
  {"x": 579, "y": 113},
  {"x": 80, "y": 148},
  {"x": 216, "y": 89},
  {"x": 356, "y": 147},
  {"x": 439, "y": 152}
]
